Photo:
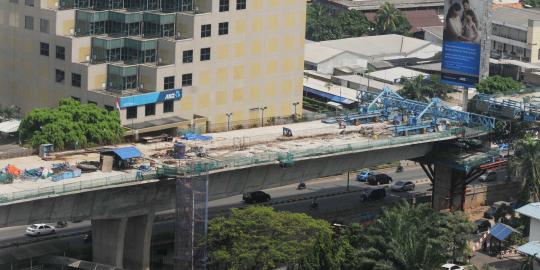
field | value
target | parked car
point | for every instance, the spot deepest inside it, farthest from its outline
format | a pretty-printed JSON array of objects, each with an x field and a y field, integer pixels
[
  {"x": 482, "y": 225},
  {"x": 373, "y": 194},
  {"x": 256, "y": 197},
  {"x": 40, "y": 229},
  {"x": 364, "y": 175},
  {"x": 493, "y": 209},
  {"x": 379, "y": 179},
  {"x": 403, "y": 186},
  {"x": 451, "y": 266},
  {"x": 488, "y": 176}
]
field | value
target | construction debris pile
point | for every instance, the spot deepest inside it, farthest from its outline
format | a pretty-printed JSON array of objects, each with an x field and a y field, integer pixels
[{"x": 56, "y": 172}]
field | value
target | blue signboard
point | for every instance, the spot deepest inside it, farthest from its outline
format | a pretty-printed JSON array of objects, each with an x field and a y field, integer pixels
[
  {"x": 464, "y": 29},
  {"x": 150, "y": 98}
]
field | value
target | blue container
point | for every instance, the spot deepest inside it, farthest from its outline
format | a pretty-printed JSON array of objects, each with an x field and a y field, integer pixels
[{"x": 179, "y": 151}]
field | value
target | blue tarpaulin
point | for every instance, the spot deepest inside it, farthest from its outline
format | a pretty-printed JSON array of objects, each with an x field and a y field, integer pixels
[
  {"x": 502, "y": 231},
  {"x": 126, "y": 152},
  {"x": 196, "y": 137}
]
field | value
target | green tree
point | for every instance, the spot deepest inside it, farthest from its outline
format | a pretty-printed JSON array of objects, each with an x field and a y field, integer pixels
[
  {"x": 407, "y": 238},
  {"x": 423, "y": 89},
  {"x": 261, "y": 238},
  {"x": 321, "y": 24},
  {"x": 390, "y": 20},
  {"x": 532, "y": 3},
  {"x": 525, "y": 164},
  {"x": 498, "y": 84},
  {"x": 71, "y": 125},
  {"x": 353, "y": 23}
]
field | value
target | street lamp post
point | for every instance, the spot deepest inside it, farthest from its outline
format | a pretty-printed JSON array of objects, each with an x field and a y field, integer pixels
[
  {"x": 262, "y": 115},
  {"x": 228, "y": 121},
  {"x": 295, "y": 104}
]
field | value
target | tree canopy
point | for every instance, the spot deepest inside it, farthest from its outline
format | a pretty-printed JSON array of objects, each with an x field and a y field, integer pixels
[
  {"x": 390, "y": 20},
  {"x": 71, "y": 125},
  {"x": 407, "y": 237},
  {"x": 525, "y": 164},
  {"x": 404, "y": 237},
  {"x": 423, "y": 89},
  {"x": 532, "y": 3},
  {"x": 324, "y": 23},
  {"x": 261, "y": 238},
  {"x": 498, "y": 85}
]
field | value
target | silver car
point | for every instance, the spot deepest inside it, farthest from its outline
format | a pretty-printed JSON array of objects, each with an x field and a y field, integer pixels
[
  {"x": 403, "y": 186},
  {"x": 40, "y": 229}
]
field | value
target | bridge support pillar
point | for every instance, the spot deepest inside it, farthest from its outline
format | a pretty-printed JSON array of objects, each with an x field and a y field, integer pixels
[
  {"x": 448, "y": 188},
  {"x": 123, "y": 242},
  {"x": 108, "y": 241}
]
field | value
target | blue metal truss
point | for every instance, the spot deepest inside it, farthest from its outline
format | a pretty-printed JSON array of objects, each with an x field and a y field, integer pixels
[
  {"x": 508, "y": 109},
  {"x": 436, "y": 109}
]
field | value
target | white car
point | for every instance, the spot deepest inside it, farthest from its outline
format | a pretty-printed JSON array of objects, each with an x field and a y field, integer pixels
[
  {"x": 40, "y": 229},
  {"x": 451, "y": 266}
]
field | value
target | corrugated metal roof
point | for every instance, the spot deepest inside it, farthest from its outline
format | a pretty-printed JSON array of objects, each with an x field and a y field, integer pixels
[
  {"x": 531, "y": 210},
  {"x": 502, "y": 231},
  {"x": 531, "y": 248},
  {"x": 316, "y": 53},
  {"x": 10, "y": 126}
]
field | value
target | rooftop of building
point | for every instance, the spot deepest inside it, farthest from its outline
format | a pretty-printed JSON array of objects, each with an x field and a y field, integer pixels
[
  {"x": 531, "y": 210},
  {"x": 418, "y": 19},
  {"x": 434, "y": 30},
  {"x": 381, "y": 46},
  {"x": 316, "y": 53},
  {"x": 517, "y": 17},
  {"x": 373, "y": 84},
  {"x": 394, "y": 75},
  {"x": 400, "y": 4}
]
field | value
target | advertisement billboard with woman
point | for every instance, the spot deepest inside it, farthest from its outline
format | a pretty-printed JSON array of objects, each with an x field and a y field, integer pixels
[{"x": 464, "y": 30}]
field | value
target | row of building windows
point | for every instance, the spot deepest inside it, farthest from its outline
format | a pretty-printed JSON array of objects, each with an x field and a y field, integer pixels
[
  {"x": 150, "y": 109},
  {"x": 29, "y": 3},
  {"x": 187, "y": 56},
  {"x": 60, "y": 51},
  {"x": 206, "y": 29},
  {"x": 43, "y": 24},
  {"x": 224, "y": 5},
  {"x": 168, "y": 82},
  {"x": 60, "y": 77}
]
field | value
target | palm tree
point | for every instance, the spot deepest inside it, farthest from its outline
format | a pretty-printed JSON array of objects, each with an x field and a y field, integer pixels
[
  {"x": 390, "y": 20},
  {"x": 526, "y": 166}
]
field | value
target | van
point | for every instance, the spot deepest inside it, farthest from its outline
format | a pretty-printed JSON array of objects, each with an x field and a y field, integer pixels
[
  {"x": 373, "y": 194},
  {"x": 379, "y": 179},
  {"x": 256, "y": 197}
]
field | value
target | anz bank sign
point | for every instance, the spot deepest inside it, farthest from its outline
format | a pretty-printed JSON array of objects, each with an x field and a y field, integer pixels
[{"x": 156, "y": 97}]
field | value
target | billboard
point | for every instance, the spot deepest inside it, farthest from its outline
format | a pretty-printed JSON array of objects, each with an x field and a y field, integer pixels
[
  {"x": 150, "y": 98},
  {"x": 465, "y": 31}
]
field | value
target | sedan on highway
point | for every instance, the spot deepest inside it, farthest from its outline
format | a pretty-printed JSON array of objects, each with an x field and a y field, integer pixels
[
  {"x": 403, "y": 186},
  {"x": 40, "y": 229},
  {"x": 364, "y": 175}
]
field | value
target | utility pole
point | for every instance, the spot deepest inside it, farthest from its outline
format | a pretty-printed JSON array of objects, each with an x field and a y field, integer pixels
[
  {"x": 295, "y": 104},
  {"x": 262, "y": 115}
]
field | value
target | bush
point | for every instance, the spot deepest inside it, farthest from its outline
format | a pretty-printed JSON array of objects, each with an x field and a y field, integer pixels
[
  {"x": 498, "y": 85},
  {"x": 71, "y": 125}
]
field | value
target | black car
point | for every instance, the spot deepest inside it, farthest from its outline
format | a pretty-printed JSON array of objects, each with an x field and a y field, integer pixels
[
  {"x": 482, "y": 225},
  {"x": 373, "y": 194},
  {"x": 256, "y": 197},
  {"x": 379, "y": 179}
]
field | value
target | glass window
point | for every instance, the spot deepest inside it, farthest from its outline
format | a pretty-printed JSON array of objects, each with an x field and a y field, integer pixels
[
  {"x": 76, "y": 79},
  {"x": 206, "y": 30},
  {"x": 223, "y": 28},
  {"x": 187, "y": 56},
  {"x": 131, "y": 112},
  {"x": 168, "y": 106},
  {"x": 240, "y": 4},
  {"x": 205, "y": 54},
  {"x": 29, "y": 3},
  {"x": 60, "y": 53},
  {"x": 44, "y": 26},
  {"x": 223, "y": 5},
  {"x": 150, "y": 109},
  {"x": 28, "y": 22},
  {"x": 60, "y": 76},
  {"x": 44, "y": 49},
  {"x": 187, "y": 79},
  {"x": 168, "y": 83}
]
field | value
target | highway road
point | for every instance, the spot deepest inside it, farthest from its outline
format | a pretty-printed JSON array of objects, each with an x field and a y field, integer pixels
[{"x": 283, "y": 198}]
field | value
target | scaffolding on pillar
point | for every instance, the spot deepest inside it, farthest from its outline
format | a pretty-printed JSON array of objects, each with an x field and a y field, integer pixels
[{"x": 191, "y": 225}]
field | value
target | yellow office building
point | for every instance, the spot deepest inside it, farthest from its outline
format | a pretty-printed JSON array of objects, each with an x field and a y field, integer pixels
[{"x": 167, "y": 63}]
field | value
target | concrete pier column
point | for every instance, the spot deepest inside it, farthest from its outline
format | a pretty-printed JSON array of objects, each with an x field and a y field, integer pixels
[
  {"x": 108, "y": 241},
  {"x": 137, "y": 242},
  {"x": 448, "y": 188}
]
